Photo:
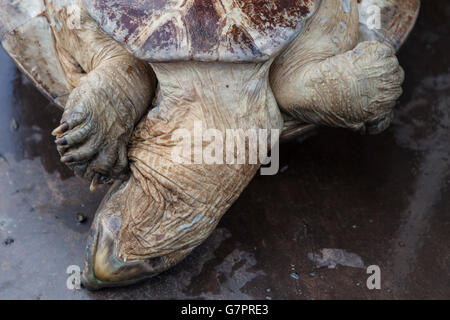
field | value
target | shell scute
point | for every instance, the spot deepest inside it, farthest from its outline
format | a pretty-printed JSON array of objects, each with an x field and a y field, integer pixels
[{"x": 203, "y": 30}]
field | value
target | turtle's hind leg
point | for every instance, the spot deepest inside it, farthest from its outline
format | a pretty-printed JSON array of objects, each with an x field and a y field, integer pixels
[{"x": 168, "y": 207}]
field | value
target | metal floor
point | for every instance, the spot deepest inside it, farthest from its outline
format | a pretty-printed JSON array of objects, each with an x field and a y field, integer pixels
[{"x": 385, "y": 200}]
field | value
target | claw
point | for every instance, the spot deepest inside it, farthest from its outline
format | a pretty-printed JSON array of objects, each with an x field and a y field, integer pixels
[
  {"x": 66, "y": 159},
  {"x": 98, "y": 180},
  {"x": 61, "y": 129},
  {"x": 61, "y": 142},
  {"x": 95, "y": 182}
]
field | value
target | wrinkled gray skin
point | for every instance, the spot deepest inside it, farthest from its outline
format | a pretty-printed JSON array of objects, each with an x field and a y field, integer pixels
[{"x": 156, "y": 216}]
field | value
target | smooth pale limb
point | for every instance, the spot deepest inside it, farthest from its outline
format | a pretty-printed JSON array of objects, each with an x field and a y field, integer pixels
[{"x": 326, "y": 78}]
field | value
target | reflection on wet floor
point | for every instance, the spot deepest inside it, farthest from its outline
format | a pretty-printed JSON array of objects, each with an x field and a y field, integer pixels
[{"x": 342, "y": 202}]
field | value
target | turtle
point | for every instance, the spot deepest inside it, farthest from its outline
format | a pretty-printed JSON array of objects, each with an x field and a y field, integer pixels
[{"x": 129, "y": 73}]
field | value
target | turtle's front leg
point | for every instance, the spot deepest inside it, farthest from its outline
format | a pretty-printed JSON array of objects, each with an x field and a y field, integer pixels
[
  {"x": 112, "y": 90},
  {"x": 324, "y": 79},
  {"x": 100, "y": 116}
]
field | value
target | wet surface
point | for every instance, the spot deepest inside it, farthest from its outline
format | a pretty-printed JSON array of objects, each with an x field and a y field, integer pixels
[{"x": 381, "y": 200}]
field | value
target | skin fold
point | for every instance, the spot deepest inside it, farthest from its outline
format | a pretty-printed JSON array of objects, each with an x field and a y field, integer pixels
[
  {"x": 118, "y": 120},
  {"x": 325, "y": 77}
]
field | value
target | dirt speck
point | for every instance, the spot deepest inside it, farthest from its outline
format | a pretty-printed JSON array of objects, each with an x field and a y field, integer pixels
[
  {"x": 14, "y": 125},
  {"x": 81, "y": 218},
  {"x": 8, "y": 241}
]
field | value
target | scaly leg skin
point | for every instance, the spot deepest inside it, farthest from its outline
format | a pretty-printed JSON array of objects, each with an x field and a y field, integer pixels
[
  {"x": 322, "y": 78},
  {"x": 111, "y": 90},
  {"x": 165, "y": 209}
]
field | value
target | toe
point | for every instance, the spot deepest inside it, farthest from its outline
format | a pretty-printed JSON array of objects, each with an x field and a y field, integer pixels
[
  {"x": 77, "y": 135},
  {"x": 70, "y": 119},
  {"x": 81, "y": 154},
  {"x": 379, "y": 125},
  {"x": 61, "y": 129},
  {"x": 103, "y": 163}
]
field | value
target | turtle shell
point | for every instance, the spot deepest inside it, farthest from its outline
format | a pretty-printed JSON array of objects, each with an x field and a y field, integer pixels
[{"x": 202, "y": 30}]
